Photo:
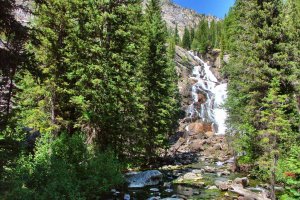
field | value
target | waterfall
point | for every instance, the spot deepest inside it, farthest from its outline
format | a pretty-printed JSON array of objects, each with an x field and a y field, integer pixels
[{"x": 213, "y": 95}]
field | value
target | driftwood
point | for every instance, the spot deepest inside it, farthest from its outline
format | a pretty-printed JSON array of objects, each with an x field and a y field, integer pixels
[{"x": 247, "y": 193}]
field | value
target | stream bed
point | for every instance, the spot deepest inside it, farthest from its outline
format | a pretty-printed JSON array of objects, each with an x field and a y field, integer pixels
[{"x": 171, "y": 189}]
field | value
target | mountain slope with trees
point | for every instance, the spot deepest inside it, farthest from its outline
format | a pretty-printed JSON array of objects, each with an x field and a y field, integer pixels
[{"x": 263, "y": 40}]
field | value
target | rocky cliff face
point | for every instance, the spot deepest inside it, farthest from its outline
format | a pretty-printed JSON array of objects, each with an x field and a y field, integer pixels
[{"x": 174, "y": 14}]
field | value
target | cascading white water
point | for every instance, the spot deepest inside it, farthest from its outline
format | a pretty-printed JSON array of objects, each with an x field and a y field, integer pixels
[{"x": 207, "y": 84}]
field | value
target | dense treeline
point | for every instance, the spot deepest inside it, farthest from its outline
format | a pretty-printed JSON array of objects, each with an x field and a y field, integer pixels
[
  {"x": 262, "y": 38},
  {"x": 101, "y": 85},
  {"x": 207, "y": 35}
]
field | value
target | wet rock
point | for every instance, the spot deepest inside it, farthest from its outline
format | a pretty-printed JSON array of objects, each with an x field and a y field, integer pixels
[
  {"x": 185, "y": 191},
  {"x": 223, "y": 173},
  {"x": 219, "y": 163},
  {"x": 178, "y": 144},
  {"x": 199, "y": 127},
  {"x": 222, "y": 185},
  {"x": 126, "y": 197},
  {"x": 197, "y": 171},
  {"x": 154, "y": 189},
  {"x": 169, "y": 190},
  {"x": 218, "y": 147},
  {"x": 249, "y": 195},
  {"x": 113, "y": 190},
  {"x": 197, "y": 145},
  {"x": 209, "y": 134},
  {"x": 209, "y": 169},
  {"x": 213, "y": 187},
  {"x": 192, "y": 81},
  {"x": 170, "y": 167},
  {"x": 201, "y": 98},
  {"x": 142, "y": 179},
  {"x": 154, "y": 198},
  {"x": 241, "y": 198},
  {"x": 190, "y": 179},
  {"x": 167, "y": 185},
  {"x": 116, "y": 193},
  {"x": 242, "y": 181},
  {"x": 192, "y": 176}
]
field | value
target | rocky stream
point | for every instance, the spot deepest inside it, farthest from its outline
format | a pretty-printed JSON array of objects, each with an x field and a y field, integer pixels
[{"x": 200, "y": 163}]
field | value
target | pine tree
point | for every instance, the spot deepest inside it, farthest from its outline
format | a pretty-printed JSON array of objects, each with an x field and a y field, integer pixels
[
  {"x": 161, "y": 89},
  {"x": 176, "y": 35},
  {"x": 212, "y": 36},
  {"x": 53, "y": 25},
  {"x": 109, "y": 75},
  {"x": 201, "y": 40},
  {"x": 192, "y": 34},
  {"x": 186, "y": 39},
  {"x": 276, "y": 127},
  {"x": 13, "y": 35},
  {"x": 218, "y": 34}
]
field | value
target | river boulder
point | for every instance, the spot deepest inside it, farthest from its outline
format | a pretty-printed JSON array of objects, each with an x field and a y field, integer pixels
[
  {"x": 242, "y": 181},
  {"x": 142, "y": 179}
]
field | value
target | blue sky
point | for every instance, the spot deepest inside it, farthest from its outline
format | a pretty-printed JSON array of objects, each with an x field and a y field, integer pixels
[{"x": 210, "y": 7}]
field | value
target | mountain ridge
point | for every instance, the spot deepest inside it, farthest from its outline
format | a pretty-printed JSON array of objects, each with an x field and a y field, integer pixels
[{"x": 173, "y": 14}]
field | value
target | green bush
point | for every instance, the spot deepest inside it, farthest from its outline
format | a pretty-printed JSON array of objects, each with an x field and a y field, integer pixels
[
  {"x": 64, "y": 168},
  {"x": 289, "y": 173}
]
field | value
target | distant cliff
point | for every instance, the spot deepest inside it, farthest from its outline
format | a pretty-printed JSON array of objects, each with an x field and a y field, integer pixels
[{"x": 174, "y": 14}]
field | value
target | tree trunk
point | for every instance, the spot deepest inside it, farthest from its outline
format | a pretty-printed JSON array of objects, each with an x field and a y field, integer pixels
[{"x": 53, "y": 117}]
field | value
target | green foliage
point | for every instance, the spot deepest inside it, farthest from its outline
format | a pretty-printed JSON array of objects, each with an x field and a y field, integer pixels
[
  {"x": 160, "y": 81},
  {"x": 289, "y": 172},
  {"x": 176, "y": 35},
  {"x": 64, "y": 168},
  {"x": 171, "y": 47},
  {"x": 13, "y": 56},
  {"x": 207, "y": 36},
  {"x": 91, "y": 72},
  {"x": 261, "y": 38},
  {"x": 186, "y": 39},
  {"x": 33, "y": 109},
  {"x": 201, "y": 40}
]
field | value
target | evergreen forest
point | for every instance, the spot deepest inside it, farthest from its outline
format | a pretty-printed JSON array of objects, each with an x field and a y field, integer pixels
[{"x": 89, "y": 91}]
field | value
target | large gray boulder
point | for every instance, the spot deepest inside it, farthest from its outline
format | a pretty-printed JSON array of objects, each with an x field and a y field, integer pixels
[{"x": 142, "y": 179}]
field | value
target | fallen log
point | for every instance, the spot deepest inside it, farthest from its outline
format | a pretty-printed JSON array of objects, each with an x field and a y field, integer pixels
[{"x": 247, "y": 193}]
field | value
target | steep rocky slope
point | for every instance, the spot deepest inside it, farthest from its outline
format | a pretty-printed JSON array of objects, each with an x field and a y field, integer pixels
[
  {"x": 174, "y": 14},
  {"x": 185, "y": 63}
]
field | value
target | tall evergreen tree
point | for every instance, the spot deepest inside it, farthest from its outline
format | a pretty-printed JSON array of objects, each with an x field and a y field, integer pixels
[
  {"x": 161, "y": 89},
  {"x": 186, "y": 39},
  {"x": 52, "y": 27},
  {"x": 212, "y": 36},
  {"x": 176, "y": 35},
  {"x": 110, "y": 77},
  {"x": 201, "y": 40},
  {"x": 276, "y": 127},
  {"x": 192, "y": 34}
]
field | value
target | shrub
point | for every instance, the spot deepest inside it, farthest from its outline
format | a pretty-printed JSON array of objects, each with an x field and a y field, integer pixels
[
  {"x": 64, "y": 168},
  {"x": 289, "y": 173}
]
